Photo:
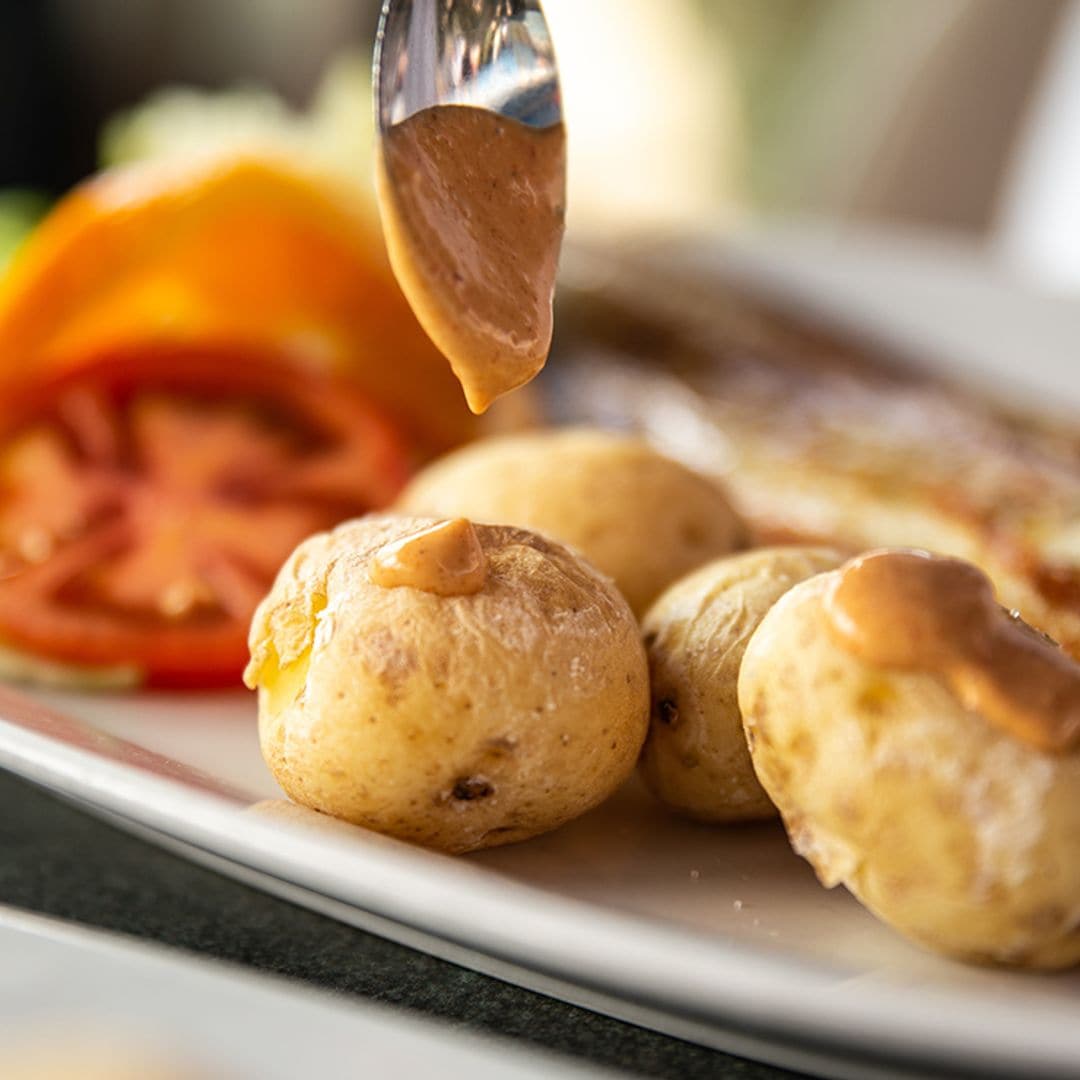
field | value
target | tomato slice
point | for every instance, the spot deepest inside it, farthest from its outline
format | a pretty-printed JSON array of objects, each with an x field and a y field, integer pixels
[{"x": 149, "y": 496}]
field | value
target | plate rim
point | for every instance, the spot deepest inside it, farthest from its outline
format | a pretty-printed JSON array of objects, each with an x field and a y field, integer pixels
[{"x": 783, "y": 1003}]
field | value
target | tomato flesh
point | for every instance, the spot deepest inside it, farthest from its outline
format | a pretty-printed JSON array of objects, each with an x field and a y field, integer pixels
[{"x": 148, "y": 498}]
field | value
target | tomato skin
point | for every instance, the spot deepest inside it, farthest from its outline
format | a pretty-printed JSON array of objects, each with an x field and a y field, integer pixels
[{"x": 182, "y": 476}]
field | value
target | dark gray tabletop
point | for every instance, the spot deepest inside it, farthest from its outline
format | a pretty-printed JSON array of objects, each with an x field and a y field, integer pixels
[{"x": 59, "y": 861}]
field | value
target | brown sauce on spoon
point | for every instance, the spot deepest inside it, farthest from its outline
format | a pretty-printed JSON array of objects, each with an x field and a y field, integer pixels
[
  {"x": 445, "y": 559},
  {"x": 473, "y": 208},
  {"x": 919, "y": 612}
]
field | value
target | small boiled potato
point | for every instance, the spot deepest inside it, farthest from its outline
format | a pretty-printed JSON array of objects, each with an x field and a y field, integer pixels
[
  {"x": 454, "y": 721},
  {"x": 641, "y": 518},
  {"x": 957, "y": 834},
  {"x": 695, "y": 759}
]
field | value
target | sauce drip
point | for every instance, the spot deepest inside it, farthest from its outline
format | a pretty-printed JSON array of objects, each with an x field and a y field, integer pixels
[
  {"x": 915, "y": 611},
  {"x": 472, "y": 207},
  {"x": 445, "y": 559}
]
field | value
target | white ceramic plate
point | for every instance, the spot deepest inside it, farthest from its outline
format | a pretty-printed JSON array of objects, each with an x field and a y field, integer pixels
[
  {"x": 94, "y": 1004},
  {"x": 722, "y": 936}
]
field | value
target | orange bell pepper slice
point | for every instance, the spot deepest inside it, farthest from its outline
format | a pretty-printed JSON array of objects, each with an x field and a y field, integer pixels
[{"x": 243, "y": 250}]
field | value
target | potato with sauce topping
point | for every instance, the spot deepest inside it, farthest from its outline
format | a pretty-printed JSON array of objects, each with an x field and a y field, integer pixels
[
  {"x": 695, "y": 758},
  {"x": 455, "y": 685},
  {"x": 638, "y": 516},
  {"x": 923, "y": 748}
]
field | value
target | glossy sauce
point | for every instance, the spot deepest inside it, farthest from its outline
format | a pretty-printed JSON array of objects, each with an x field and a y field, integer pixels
[
  {"x": 473, "y": 208},
  {"x": 445, "y": 559},
  {"x": 919, "y": 612}
]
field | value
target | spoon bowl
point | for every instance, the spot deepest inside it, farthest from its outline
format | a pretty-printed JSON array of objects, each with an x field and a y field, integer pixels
[{"x": 471, "y": 180}]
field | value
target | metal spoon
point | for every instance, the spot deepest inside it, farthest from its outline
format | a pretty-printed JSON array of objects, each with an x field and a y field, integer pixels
[
  {"x": 491, "y": 54},
  {"x": 471, "y": 180}
]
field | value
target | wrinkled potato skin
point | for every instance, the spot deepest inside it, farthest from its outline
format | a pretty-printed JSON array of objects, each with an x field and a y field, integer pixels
[
  {"x": 454, "y": 722},
  {"x": 956, "y": 834},
  {"x": 695, "y": 759},
  {"x": 637, "y": 516}
]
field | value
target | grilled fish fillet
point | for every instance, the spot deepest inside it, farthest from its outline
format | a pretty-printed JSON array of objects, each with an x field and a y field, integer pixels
[{"x": 822, "y": 437}]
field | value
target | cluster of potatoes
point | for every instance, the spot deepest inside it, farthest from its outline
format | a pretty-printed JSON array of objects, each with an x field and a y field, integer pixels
[{"x": 541, "y": 613}]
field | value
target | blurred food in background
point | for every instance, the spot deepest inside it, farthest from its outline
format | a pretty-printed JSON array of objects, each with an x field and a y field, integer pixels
[{"x": 236, "y": 245}]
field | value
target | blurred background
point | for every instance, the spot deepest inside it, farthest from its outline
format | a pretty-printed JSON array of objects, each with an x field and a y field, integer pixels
[{"x": 958, "y": 116}]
